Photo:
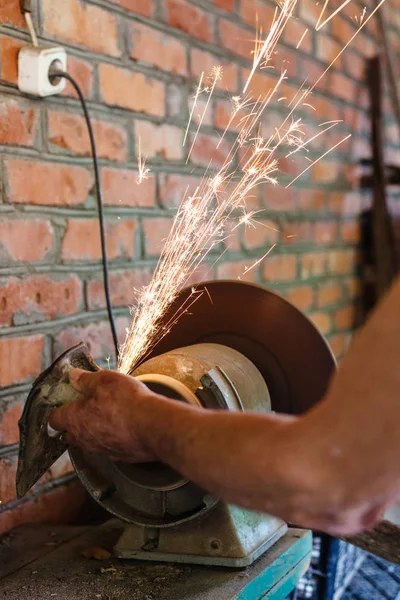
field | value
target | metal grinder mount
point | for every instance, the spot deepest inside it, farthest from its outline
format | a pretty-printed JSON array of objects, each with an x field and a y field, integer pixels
[{"x": 246, "y": 349}]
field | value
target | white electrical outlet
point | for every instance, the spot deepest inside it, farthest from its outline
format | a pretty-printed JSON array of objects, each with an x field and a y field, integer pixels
[{"x": 34, "y": 64}]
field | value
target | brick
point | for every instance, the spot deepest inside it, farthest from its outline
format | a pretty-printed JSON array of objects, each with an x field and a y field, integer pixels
[
  {"x": 224, "y": 116},
  {"x": 277, "y": 198},
  {"x": 313, "y": 70},
  {"x": 346, "y": 204},
  {"x": 299, "y": 232},
  {"x": 324, "y": 109},
  {"x": 25, "y": 240},
  {"x": 120, "y": 87},
  {"x": 345, "y": 317},
  {"x": 121, "y": 188},
  {"x": 9, "y": 417},
  {"x": 310, "y": 199},
  {"x": 82, "y": 72},
  {"x": 342, "y": 261},
  {"x": 64, "y": 185},
  {"x": 69, "y": 131},
  {"x": 176, "y": 100},
  {"x": 328, "y": 293},
  {"x": 342, "y": 29},
  {"x": 174, "y": 188},
  {"x": 38, "y": 297},
  {"x": 280, "y": 268},
  {"x": 18, "y": 122},
  {"x": 165, "y": 141},
  {"x": 302, "y": 297},
  {"x": 8, "y": 472},
  {"x": 82, "y": 239},
  {"x": 20, "y": 358},
  {"x": 327, "y": 50},
  {"x": 202, "y": 113},
  {"x": 263, "y": 235},
  {"x": 124, "y": 286},
  {"x": 57, "y": 506},
  {"x": 9, "y": 50},
  {"x": 313, "y": 265},
  {"x": 228, "y": 5},
  {"x": 322, "y": 321},
  {"x": 365, "y": 45},
  {"x": 343, "y": 87},
  {"x": 82, "y": 24},
  {"x": 236, "y": 39},
  {"x": 325, "y": 171},
  {"x": 261, "y": 84},
  {"x": 140, "y": 7},
  {"x": 189, "y": 19},
  {"x": 10, "y": 13},
  {"x": 204, "y": 61},
  {"x": 238, "y": 270},
  {"x": 355, "y": 66},
  {"x": 310, "y": 12},
  {"x": 325, "y": 232},
  {"x": 158, "y": 49},
  {"x": 351, "y": 232},
  {"x": 205, "y": 151},
  {"x": 156, "y": 232},
  {"x": 96, "y": 336},
  {"x": 257, "y": 14}
]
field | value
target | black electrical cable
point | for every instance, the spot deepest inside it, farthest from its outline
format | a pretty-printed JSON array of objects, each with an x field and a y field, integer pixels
[{"x": 55, "y": 73}]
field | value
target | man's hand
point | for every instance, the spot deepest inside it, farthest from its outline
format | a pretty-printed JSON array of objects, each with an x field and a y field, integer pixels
[{"x": 108, "y": 417}]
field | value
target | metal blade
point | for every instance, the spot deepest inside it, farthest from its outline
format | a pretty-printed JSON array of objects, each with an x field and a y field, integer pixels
[{"x": 38, "y": 450}]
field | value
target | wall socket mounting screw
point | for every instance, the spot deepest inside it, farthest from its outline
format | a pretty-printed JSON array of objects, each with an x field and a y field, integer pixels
[{"x": 34, "y": 66}]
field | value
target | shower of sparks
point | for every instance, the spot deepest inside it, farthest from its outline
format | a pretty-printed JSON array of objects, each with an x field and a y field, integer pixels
[
  {"x": 143, "y": 170},
  {"x": 202, "y": 220},
  {"x": 264, "y": 51}
]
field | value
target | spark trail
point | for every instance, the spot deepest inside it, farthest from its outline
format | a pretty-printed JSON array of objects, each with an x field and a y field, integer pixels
[{"x": 203, "y": 218}]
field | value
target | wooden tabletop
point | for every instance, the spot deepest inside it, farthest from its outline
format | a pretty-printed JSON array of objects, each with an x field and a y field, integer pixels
[{"x": 40, "y": 562}]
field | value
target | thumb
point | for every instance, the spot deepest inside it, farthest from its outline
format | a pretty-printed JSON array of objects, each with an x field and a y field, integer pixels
[{"x": 84, "y": 382}]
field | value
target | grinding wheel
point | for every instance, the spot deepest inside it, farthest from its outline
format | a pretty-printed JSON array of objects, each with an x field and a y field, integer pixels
[{"x": 291, "y": 354}]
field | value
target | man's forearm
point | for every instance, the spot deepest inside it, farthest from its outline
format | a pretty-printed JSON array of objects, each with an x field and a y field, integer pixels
[
  {"x": 334, "y": 469},
  {"x": 260, "y": 462}
]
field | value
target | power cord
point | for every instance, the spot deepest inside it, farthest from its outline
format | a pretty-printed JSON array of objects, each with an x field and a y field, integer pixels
[
  {"x": 55, "y": 73},
  {"x": 26, "y": 9}
]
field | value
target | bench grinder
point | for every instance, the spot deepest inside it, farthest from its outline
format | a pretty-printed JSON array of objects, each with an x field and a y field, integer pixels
[{"x": 241, "y": 347}]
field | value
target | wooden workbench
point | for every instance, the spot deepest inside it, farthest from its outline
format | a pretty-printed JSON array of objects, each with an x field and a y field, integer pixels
[{"x": 43, "y": 562}]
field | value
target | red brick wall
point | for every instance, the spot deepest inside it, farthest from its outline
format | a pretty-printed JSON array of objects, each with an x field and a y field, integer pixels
[{"x": 138, "y": 62}]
